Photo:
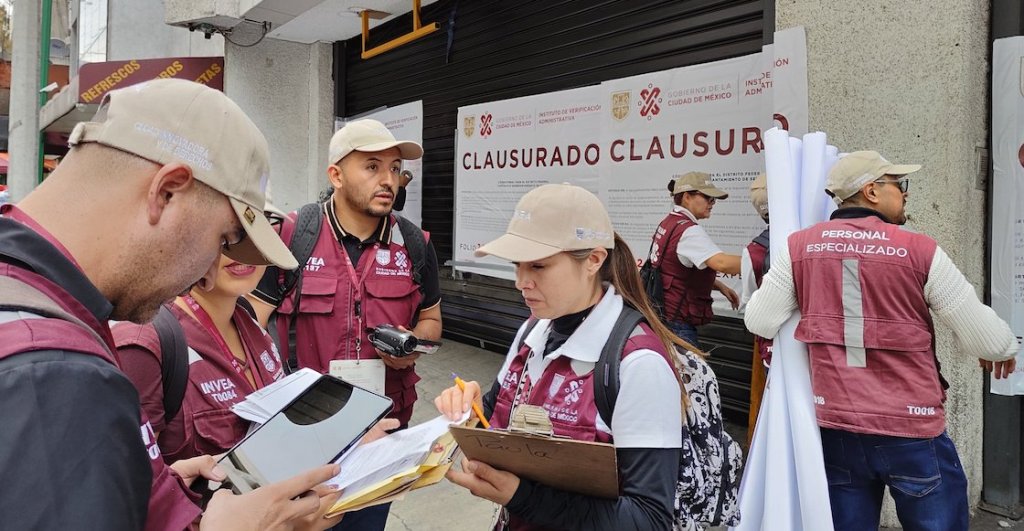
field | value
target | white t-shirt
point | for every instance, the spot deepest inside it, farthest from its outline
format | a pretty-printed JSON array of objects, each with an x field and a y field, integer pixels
[
  {"x": 695, "y": 246},
  {"x": 748, "y": 280},
  {"x": 647, "y": 413}
]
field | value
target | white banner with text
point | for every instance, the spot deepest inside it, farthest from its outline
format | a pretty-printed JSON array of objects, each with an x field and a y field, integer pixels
[{"x": 624, "y": 140}]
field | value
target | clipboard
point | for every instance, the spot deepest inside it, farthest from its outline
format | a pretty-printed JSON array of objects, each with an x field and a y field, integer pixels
[{"x": 577, "y": 466}]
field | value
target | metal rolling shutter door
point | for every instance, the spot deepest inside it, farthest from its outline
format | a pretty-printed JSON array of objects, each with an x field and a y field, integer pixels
[{"x": 509, "y": 49}]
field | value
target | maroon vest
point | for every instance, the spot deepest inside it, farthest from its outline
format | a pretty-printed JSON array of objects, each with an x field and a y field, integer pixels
[
  {"x": 170, "y": 505},
  {"x": 860, "y": 288},
  {"x": 206, "y": 424},
  {"x": 338, "y": 310},
  {"x": 567, "y": 397},
  {"x": 687, "y": 289},
  {"x": 758, "y": 253}
]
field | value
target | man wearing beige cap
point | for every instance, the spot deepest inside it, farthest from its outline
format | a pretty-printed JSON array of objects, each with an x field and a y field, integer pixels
[
  {"x": 168, "y": 176},
  {"x": 364, "y": 267},
  {"x": 866, "y": 290},
  {"x": 687, "y": 259}
]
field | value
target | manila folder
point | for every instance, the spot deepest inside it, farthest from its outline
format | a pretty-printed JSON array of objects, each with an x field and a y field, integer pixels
[{"x": 577, "y": 466}]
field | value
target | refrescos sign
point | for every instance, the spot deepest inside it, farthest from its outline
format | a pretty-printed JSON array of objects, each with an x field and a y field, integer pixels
[
  {"x": 96, "y": 79},
  {"x": 624, "y": 139}
]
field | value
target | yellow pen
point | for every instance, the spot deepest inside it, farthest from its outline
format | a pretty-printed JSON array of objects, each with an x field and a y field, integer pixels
[{"x": 476, "y": 409}]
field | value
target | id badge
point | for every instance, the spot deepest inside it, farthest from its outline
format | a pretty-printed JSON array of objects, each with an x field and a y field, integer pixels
[{"x": 368, "y": 374}]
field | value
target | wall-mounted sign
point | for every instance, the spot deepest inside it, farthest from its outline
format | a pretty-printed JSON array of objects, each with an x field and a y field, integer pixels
[{"x": 96, "y": 79}]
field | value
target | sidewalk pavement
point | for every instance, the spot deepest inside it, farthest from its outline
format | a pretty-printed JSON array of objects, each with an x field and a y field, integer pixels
[{"x": 447, "y": 507}]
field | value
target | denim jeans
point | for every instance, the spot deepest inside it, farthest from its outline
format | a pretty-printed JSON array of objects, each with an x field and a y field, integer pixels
[
  {"x": 924, "y": 477},
  {"x": 685, "y": 331}
]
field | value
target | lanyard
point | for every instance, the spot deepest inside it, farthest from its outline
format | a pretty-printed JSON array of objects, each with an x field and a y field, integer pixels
[
  {"x": 207, "y": 322},
  {"x": 519, "y": 388},
  {"x": 356, "y": 280}
]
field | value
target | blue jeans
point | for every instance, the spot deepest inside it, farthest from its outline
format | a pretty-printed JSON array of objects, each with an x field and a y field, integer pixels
[
  {"x": 685, "y": 331},
  {"x": 924, "y": 477}
]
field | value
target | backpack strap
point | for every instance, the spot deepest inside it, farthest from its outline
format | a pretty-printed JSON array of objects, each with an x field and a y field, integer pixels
[
  {"x": 531, "y": 323},
  {"x": 308, "y": 223},
  {"x": 247, "y": 306},
  {"x": 307, "y": 232},
  {"x": 764, "y": 240},
  {"x": 606, "y": 372},
  {"x": 416, "y": 244},
  {"x": 173, "y": 361},
  {"x": 18, "y": 296}
]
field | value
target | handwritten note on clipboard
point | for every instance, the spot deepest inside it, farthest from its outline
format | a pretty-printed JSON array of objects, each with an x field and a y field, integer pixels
[{"x": 576, "y": 466}]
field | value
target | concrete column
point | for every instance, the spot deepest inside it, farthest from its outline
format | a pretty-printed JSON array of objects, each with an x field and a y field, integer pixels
[
  {"x": 23, "y": 174},
  {"x": 910, "y": 79},
  {"x": 287, "y": 90}
]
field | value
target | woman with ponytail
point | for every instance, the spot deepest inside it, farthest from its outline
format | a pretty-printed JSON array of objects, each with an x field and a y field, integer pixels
[{"x": 576, "y": 275}]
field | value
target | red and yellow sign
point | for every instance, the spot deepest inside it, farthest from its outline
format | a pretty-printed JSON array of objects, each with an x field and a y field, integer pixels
[{"x": 96, "y": 79}]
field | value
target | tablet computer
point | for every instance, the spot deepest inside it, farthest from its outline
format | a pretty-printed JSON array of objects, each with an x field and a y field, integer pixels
[{"x": 314, "y": 429}]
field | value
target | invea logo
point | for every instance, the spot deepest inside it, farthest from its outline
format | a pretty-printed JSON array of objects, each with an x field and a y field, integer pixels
[{"x": 314, "y": 263}]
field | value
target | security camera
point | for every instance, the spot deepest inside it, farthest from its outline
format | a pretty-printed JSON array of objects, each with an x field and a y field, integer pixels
[{"x": 207, "y": 29}]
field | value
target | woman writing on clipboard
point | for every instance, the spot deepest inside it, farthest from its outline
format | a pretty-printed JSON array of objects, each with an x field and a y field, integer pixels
[{"x": 576, "y": 275}]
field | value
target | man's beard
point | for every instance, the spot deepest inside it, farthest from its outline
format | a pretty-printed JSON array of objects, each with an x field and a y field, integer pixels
[{"x": 368, "y": 208}]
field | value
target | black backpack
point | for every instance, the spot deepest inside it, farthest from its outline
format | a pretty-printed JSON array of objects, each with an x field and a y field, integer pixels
[
  {"x": 173, "y": 361},
  {"x": 707, "y": 487},
  {"x": 307, "y": 231},
  {"x": 650, "y": 276},
  {"x": 764, "y": 240},
  {"x": 174, "y": 357}
]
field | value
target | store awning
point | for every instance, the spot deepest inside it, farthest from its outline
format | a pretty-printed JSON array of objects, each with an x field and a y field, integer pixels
[
  {"x": 48, "y": 164},
  {"x": 77, "y": 102}
]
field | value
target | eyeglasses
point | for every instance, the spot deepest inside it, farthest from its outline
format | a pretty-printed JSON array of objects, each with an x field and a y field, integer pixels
[
  {"x": 903, "y": 183},
  {"x": 708, "y": 198}
]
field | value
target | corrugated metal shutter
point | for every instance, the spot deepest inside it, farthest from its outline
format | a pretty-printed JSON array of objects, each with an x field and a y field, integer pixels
[{"x": 508, "y": 49}]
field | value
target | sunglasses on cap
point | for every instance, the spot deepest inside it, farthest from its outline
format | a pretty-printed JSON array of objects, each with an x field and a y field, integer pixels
[{"x": 903, "y": 183}]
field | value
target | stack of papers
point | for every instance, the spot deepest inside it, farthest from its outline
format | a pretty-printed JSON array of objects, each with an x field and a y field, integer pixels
[
  {"x": 384, "y": 470},
  {"x": 374, "y": 473},
  {"x": 258, "y": 407}
]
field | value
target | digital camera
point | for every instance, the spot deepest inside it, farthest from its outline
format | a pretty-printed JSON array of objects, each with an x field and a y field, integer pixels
[{"x": 398, "y": 343}]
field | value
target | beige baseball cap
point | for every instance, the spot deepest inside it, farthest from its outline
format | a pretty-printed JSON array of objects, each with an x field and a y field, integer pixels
[
  {"x": 859, "y": 168},
  {"x": 174, "y": 120},
  {"x": 550, "y": 219},
  {"x": 759, "y": 194},
  {"x": 368, "y": 136},
  {"x": 696, "y": 181}
]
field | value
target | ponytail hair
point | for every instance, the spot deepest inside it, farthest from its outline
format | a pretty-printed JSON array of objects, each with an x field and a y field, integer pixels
[{"x": 620, "y": 270}]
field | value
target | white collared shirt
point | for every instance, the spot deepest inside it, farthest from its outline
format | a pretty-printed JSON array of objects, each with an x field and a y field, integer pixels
[
  {"x": 695, "y": 246},
  {"x": 647, "y": 413}
]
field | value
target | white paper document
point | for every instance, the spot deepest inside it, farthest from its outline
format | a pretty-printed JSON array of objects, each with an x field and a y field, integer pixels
[
  {"x": 371, "y": 463},
  {"x": 258, "y": 407}
]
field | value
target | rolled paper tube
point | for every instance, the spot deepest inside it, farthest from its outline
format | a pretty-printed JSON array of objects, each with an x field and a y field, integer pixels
[{"x": 812, "y": 180}]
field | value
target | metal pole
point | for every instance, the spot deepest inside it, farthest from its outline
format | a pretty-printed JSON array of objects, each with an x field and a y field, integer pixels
[
  {"x": 24, "y": 119},
  {"x": 44, "y": 73}
]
